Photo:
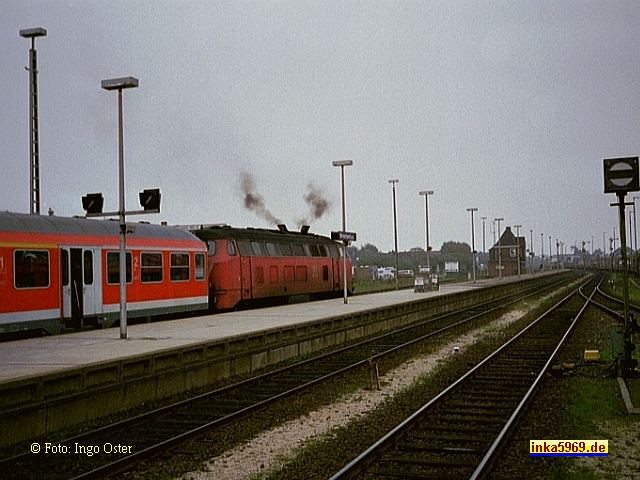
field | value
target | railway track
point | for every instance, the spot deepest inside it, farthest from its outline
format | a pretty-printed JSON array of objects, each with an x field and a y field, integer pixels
[
  {"x": 155, "y": 432},
  {"x": 461, "y": 430},
  {"x": 612, "y": 305}
]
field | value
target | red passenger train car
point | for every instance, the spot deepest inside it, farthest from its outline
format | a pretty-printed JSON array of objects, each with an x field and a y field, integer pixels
[
  {"x": 60, "y": 272},
  {"x": 251, "y": 266}
]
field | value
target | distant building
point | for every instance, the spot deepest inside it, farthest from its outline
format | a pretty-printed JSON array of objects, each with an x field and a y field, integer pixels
[{"x": 509, "y": 246}]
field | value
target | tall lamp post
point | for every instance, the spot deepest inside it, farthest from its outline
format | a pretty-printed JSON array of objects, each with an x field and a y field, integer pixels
[
  {"x": 426, "y": 194},
  {"x": 120, "y": 84},
  {"x": 517, "y": 227},
  {"x": 34, "y": 142},
  {"x": 542, "y": 248},
  {"x": 342, "y": 164},
  {"x": 473, "y": 243},
  {"x": 532, "y": 252},
  {"x": 499, "y": 249},
  {"x": 484, "y": 251},
  {"x": 395, "y": 225}
]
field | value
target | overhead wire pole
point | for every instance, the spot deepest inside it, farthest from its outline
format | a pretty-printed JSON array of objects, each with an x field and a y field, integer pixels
[{"x": 34, "y": 139}]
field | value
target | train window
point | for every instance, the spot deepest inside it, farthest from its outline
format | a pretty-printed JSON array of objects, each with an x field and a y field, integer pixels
[
  {"x": 113, "y": 267},
  {"x": 301, "y": 273},
  {"x": 150, "y": 267},
  {"x": 285, "y": 250},
  {"x": 179, "y": 266},
  {"x": 324, "y": 251},
  {"x": 315, "y": 250},
  {"x": 31, "y": 268},
  {"x": 297, "y": 250},
  {"x": 200, "y": 266},
  {"x": 257, "y": 249},
  {"x": 231, "y": 248},
  {"x": 65, "y": 267},
  {"x": 88, "y": 267},
  {"x": 333, "y": 251},
  {"x": 245, "y": 248},
  {"x": 211, "y": 247},
  {"x": 272, "y": 249}
]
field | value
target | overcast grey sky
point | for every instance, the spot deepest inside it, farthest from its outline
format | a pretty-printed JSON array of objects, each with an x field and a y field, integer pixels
[{"x": 507, "y": 106}]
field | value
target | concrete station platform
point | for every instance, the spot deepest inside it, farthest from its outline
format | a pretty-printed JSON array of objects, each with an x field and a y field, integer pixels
[
  {"x": 40, "y": 356},
  {"x": 53, "y": 382}
]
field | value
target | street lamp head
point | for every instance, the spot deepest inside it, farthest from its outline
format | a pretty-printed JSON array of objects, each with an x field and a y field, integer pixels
[
  {"x": 473, "y": 209},
  {"x": 33, "y": 32},
  {"x": 394, "y": 181},
  {"x": 426, "y": 192},
  {"x": 498, "y": 219},
  {"x": 342, "y": 163},
  {"x": 119, "y": 83}
]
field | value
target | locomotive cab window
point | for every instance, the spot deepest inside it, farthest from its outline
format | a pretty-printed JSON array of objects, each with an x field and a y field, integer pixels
[
  {"x": 231, "y": 248},
  {"x": 151, "y": 267},
  {"x": 179, "y": 266},
  {"x": 113, "y": 267},
  {"x": 211, "y": 247},
  {"x": 31, "y": 268}
]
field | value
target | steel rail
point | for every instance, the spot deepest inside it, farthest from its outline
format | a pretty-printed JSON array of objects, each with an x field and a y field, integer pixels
[{"x": 359, "y": 464}]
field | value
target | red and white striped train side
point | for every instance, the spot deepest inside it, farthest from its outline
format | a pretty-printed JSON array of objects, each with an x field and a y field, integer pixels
[{"x": 58, "y": 272}]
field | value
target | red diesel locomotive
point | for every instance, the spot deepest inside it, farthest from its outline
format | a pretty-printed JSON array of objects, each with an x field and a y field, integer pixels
[
  {"x": 60, "y": 272},
  {"x": 251, "y": 266}
]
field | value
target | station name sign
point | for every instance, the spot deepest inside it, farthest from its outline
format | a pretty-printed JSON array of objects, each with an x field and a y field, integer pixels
[
  {"x": 621, "y": 175},
  {"x": 344, "y": 236}
]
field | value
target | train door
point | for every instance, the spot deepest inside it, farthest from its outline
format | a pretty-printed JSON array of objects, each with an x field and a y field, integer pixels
[
  {"x": 80, "y": 284},
  {"x": 245, "y": 277},
  {"x": 92, "y": 285}
]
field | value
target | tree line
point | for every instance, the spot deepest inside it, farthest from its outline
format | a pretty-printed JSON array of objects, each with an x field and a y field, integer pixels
[{"x": 370, "y": 255}]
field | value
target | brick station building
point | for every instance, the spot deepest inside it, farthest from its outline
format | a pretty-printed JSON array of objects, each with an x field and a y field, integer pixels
[{"x": 509, "y": 246}]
